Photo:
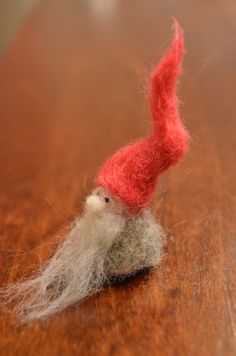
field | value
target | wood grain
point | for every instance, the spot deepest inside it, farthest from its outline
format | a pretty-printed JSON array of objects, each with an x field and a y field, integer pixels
[{"x": 72, "y": 90}]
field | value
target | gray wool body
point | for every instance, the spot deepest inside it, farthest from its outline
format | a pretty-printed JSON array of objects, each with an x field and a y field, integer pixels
[{"x": 138, "y": 246}]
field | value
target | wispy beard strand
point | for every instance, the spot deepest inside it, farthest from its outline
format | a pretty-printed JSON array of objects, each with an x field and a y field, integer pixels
[{"x": 75, "y": 272}]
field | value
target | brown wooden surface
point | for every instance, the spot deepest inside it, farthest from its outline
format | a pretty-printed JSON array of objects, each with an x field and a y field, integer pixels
[{"x": 72, "y": 90}]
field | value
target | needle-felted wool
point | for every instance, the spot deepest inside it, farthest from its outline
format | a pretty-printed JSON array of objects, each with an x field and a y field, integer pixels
[
  {"x": 138, "y": 246},
  {"x": 117, "y": 234},
  {"x": 76, "y": 270},
  {"x": 132, "y": 173}
]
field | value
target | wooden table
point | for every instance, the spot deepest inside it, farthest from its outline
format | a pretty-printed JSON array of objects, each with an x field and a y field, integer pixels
[{"x": 72, "y": 90}]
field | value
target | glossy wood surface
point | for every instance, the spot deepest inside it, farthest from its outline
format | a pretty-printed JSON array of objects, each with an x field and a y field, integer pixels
[{"x": 72, "y": 90}]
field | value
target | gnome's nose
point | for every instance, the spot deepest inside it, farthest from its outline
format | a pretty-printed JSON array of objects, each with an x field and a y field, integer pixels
[{"x": 94, "y": 203}]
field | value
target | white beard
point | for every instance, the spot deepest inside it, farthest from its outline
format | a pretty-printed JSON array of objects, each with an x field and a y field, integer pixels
[
  {"x": 75, "y": 272},
  {"x": 105, "y": 242}
]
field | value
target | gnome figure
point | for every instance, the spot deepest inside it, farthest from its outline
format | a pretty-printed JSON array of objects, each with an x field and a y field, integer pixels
[{"x": 117, "y": 234}]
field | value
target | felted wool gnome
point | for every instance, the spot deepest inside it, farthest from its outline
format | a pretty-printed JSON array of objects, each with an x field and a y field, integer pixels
[{"x": 117, "y": 234}]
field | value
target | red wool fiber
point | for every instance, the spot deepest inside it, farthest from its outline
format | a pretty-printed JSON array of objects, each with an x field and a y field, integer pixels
[{"x": 131, "y": 174}]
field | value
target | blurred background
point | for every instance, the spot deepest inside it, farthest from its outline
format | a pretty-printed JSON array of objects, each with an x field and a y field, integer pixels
[{"x": 12, "y": 14}]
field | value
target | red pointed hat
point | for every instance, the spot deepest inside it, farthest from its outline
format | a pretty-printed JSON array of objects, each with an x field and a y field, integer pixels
[{"x": 131, "y": 174}]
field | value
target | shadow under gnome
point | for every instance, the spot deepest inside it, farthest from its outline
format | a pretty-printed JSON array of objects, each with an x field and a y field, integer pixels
[{"x": 117, "y": 234}]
